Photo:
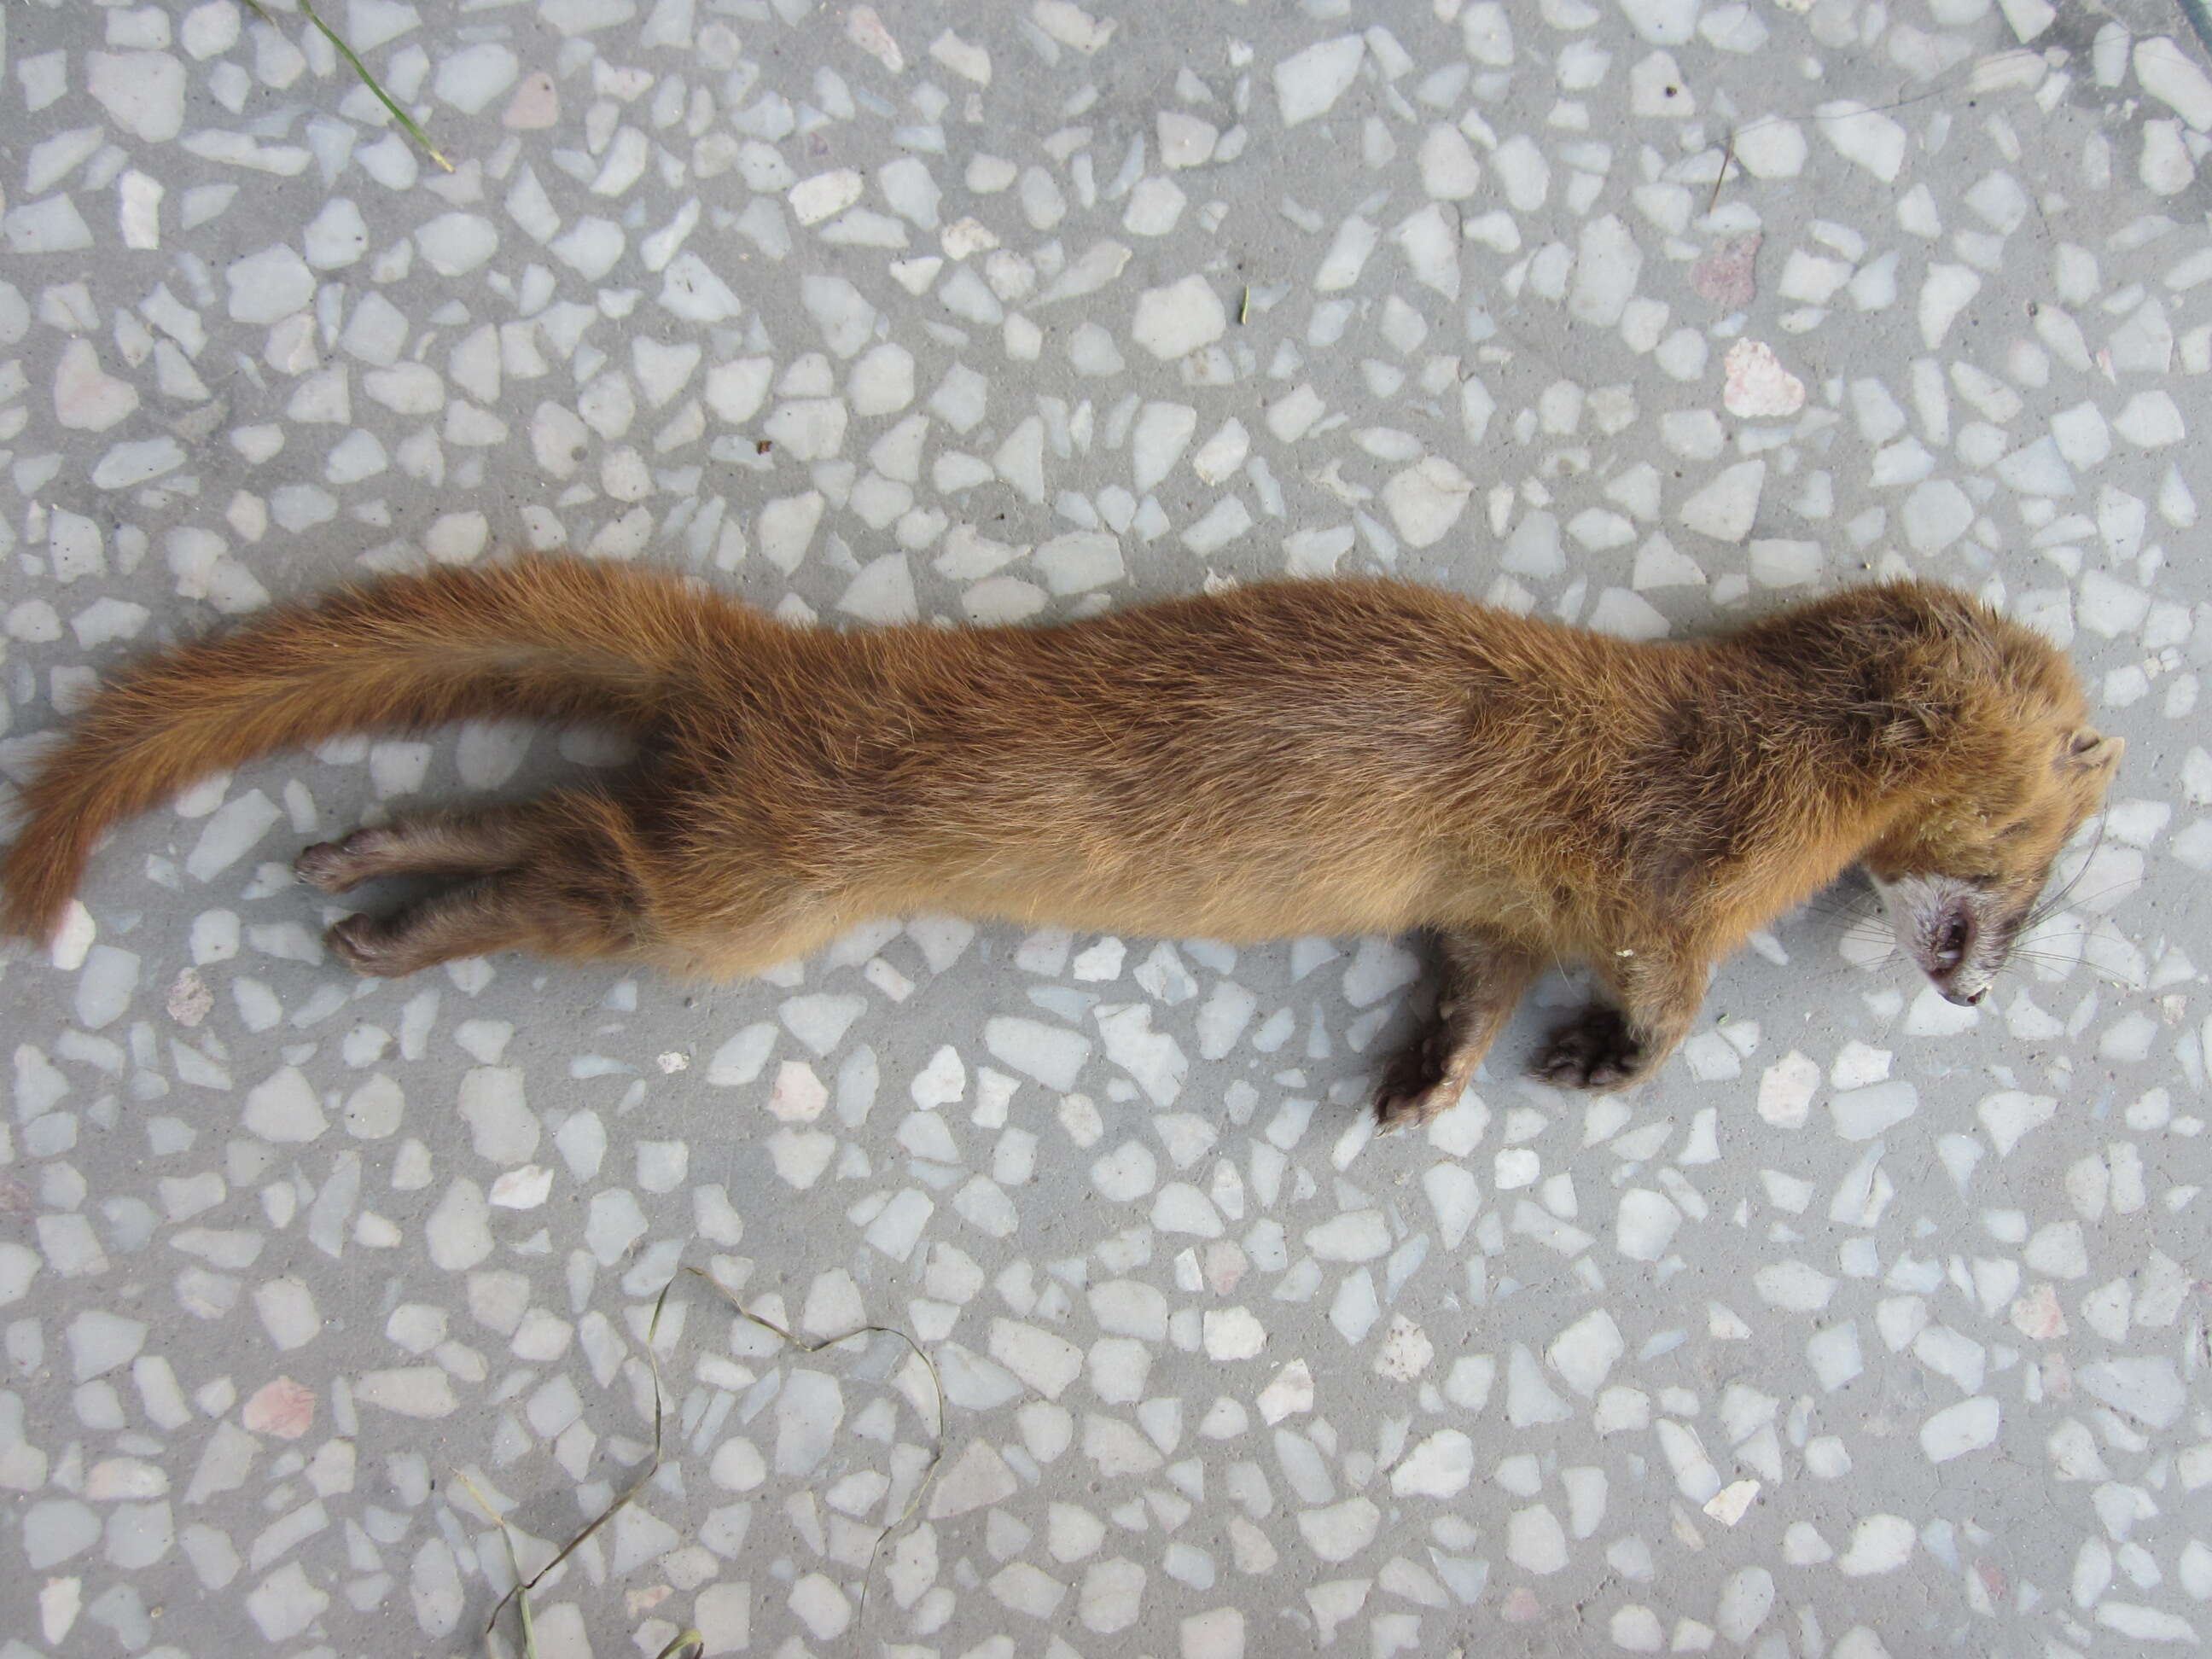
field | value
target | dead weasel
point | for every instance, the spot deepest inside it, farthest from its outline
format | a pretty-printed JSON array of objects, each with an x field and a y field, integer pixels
[{"x": 1297, "y": 758}]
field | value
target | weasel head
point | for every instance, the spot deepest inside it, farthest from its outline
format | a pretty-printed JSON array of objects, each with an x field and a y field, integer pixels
[
  {"x": 1960, "y": 880},
  {"x": 1971, "y": 731}
]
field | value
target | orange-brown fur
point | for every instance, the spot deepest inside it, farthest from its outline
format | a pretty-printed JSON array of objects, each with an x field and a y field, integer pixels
[{"x": 1336, "y": 757}]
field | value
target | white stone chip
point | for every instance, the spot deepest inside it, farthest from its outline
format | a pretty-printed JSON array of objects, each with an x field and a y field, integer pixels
[
  {"x": 1864, "y": 134},
  {"x": 454, "y": 244},
  {"x": 1429, "y": 239},
  {"x": 459, "y": 1231},
  {"x": 1157, "y": 441},
  {"x": 1307, "y": 83},
  {"x": 964, "y": 58},
  {"x": 1425, "y": 499},
  {"x": 1051, "y": 1054},
  {"x": 2150, "y": 420},
  {"x": 1449, "y": 171},
  {"x": 525, "y": 1189},
  {"x": 1957, "y": 1429},
  {"x": 2146, "y": 1387},
  {"x": 1772, "y": 147},
  {"x": 1232, "y": 1334},
  {"x": 504, "y": 1129},
  {"x": 1645, "y": 1224},
  {"x": 1405, "y": 1351},
  {"x": 1224, "y": 522},
  {"x": 470, "y": 78},
  {"x": 2169, "y": 72},
  {"x": 414, "y": 1391},
  {"x": 825, "y": 195},
  {"x": 1726, "y": 509},
  {"x": 99, "y": 1342},
  {"x": 143, "y": 92},
  {"x": 104, "y": 985},
  {"x": 1531, "y": 1400},
  {"x": 1732, "y": 1502},
  {"x": 284, "y": 1107},
  {"x": 230, "y": 832},
  {"x": 1176, "y": 319},
  {"x": 86, "y": 398},
  {"x": 1290, "y": 1392},
  {"x": 1607, "y": 265},
  {"x": 1793, "y": 1287},
  {"x": 1879, "y": 1543},
  {"x": 288, "y": 1311},
  {"x": 1861, "y": 1113},
  {"x": 1534, "y": 1540},
  {"x": 1439, "y": 1466},
  {"x": 1337, "y": 1532},
  {"x": 1944, "y": 293},
  {"x": 1356, "y": 239},
  {"x": 1186, "y": 140},
  {"x": 1585, "y": 1353},
  {"x": 1355, "y": 1236}
]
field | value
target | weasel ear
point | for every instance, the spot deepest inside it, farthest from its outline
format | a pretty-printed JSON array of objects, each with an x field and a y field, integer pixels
[{"x": 2088, "y": 749}]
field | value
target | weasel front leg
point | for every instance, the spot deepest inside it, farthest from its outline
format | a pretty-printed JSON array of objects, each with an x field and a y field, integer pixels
[
  {"x": 1483, "y": 978},
  {"x": 1607, "y": 1047}
]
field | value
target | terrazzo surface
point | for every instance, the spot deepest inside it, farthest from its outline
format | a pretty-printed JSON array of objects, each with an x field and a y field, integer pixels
[{"x": 1874, "y": 1325}]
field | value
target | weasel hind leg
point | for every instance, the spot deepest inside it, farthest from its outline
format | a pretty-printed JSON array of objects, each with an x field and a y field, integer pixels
[
  {"x": 497, "y": 912},
  {"x": 561, "y": 876},
  {"x": 569, "y": 876},
  {"x": 441, "y": 843}
]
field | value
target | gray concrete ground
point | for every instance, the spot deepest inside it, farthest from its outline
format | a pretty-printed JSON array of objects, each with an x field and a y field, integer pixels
[{"x": 1873, "y": 1326}]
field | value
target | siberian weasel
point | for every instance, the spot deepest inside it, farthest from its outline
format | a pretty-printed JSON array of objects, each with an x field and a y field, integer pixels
[{"x": 1296, "y": 758}]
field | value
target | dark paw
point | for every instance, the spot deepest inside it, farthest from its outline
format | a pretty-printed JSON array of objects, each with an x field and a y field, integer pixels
[
  {"x": 1419, "y": 1083},
  {"x": 1593, "y": 1050},
  {"x": 364, "y": 946},
  {"x": 335, "y": 866}
]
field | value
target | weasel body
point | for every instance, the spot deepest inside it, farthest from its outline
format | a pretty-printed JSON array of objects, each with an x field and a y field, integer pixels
[{"x": 1302, "y": 757}]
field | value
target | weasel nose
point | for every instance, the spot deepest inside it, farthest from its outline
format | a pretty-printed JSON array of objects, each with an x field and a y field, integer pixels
[{"x": 1968, "y": 998}]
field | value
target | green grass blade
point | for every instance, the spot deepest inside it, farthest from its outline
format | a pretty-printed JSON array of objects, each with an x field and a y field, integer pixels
[{"x": 367, "y": 79}]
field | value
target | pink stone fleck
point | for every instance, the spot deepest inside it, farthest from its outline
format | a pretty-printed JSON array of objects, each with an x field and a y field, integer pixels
[
  {"x": 283, "y": 1408},
  {"x": 535, "y": 105},
  {"x": 190, "y": 999},
  {"x": 1724, "y": 275},
  {"x": 2057, "y": 1375},
  {"x": 798, "y": 1095},
  {"x": 864, "y": 28},
  {"x": 1755, "y": 386},
  {"x": 2038, "y": 1315}
]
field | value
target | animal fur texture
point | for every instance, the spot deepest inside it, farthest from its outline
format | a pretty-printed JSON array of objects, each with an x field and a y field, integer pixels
[{"x": 1340, "y": 756}]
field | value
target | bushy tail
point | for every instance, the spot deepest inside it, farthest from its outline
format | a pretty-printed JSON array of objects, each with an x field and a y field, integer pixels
[{"x": 543, "y": 638}]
